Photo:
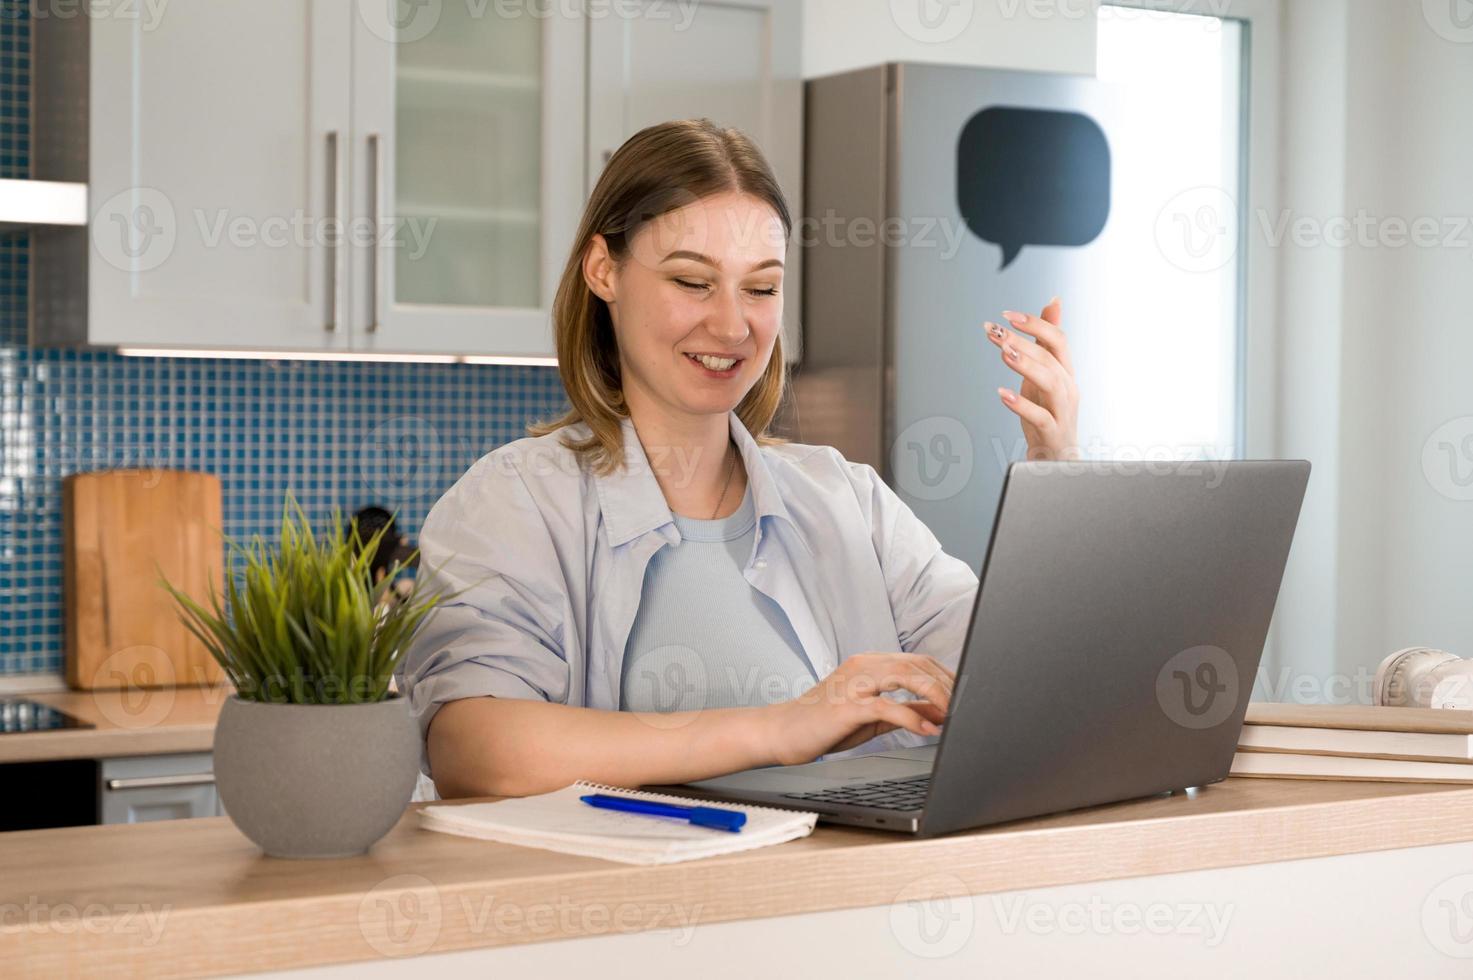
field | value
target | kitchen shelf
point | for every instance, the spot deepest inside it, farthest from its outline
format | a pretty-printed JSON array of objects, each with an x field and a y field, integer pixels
[
  {"x": 470, "y": 215},
  {"x": 465, "y": 78}
]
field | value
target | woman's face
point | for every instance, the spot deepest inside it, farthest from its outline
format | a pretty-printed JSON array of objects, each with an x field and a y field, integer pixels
[{"x": 697, "y": 304}]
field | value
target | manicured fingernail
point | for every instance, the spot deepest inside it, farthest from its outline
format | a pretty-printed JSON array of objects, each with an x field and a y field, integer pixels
[
  {"x": 1056, "y": 301},
  {"x": 995, "y": 330},
  {"x": 1007, "y": 395},
  {"x": 1011, "y": 352},
  {"x": 1016, "y": 319},
  {"x": 931, "y": 729}
]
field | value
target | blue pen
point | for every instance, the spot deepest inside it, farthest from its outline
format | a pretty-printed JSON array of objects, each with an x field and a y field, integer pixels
[{"x": 702, "y": 816}]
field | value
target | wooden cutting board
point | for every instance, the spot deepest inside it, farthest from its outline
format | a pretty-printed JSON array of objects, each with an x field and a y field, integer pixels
[{"x": 121, "y": 530}]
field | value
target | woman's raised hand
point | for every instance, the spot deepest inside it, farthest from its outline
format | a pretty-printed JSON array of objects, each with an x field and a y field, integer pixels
[
  {"x": 1047, "y": 402},
  {"x": 846, "y": 709}
]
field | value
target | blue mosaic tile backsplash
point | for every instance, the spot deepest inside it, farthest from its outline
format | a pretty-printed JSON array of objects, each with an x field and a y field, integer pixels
[{"x": 335, "y": 433}]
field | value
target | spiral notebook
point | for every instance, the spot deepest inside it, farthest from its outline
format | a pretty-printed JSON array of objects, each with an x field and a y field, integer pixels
[{"x": 560, "y": 821}]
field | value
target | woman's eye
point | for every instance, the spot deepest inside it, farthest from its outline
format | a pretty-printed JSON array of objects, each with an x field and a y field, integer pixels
[{"x": 701, "y": 287}]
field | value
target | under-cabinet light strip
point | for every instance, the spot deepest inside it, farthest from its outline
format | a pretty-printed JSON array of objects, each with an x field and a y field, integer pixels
[{"x": 277, "y": 355}]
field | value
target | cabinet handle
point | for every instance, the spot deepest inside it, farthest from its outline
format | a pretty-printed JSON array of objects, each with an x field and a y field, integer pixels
[
  {"x": 376, "y": 161},
  {"x": 334, "y": 209},
  {"x": 160, "y": 782}
]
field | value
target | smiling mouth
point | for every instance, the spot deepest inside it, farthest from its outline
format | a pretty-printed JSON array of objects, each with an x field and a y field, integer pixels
[{"x": 711, "y": 362}]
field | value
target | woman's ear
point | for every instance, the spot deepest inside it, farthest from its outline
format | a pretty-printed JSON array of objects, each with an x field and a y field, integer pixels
[{"x": 598, "y": 268}]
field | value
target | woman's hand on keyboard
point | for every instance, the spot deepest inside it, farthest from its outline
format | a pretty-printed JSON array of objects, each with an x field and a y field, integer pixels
[{"x": 847, "y": 708}]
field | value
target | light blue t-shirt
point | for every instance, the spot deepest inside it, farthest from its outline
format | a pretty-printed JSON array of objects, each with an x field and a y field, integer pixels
[{"x": 703, "y": 637}]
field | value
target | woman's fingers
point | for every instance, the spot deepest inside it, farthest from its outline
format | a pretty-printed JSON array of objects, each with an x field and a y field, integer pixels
[
  {"x": 890, "y": 721},
  {"x": 1031, "y": 412},
  {"x": 868, "y": 676},
  {"x": 855, "y": 692},
  {"x": 921, "y": 675},
  {"x": 1047, "y": 401},
  {"x": 900, "y": 715},
  {"x": 1006, "y": 340},
  {"x": 1054, "y": 312},
  {"x": 927, "y": 710},
  {"x": 1034, "y": 363},
  {"x": 1046, "y": 329},
  {"x": 875, "y": 662},
  {"x": 919, "y": 683},
  {"x": 871, "y": 684},
  {"x": 942, "y": 673}
]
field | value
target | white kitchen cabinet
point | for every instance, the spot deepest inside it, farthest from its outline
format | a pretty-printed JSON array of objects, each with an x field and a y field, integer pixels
[
  {"x": 736, "y": 62},
  {"x": 135, "y": 789},
  {"x": 280, "y": 175},
  {"x": 468, "y": 141},
  {"x": 213, "y": 141}
]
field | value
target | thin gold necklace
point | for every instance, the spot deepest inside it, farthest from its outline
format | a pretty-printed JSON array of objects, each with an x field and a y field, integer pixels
[{"x": 730, "y": 471}]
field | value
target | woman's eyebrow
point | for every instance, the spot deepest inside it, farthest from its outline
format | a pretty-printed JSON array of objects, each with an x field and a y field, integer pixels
[{"x": 707, "y": 260}]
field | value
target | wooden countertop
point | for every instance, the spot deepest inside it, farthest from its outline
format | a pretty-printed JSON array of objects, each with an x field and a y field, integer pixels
[
  {"x": 194, "y": 897},
  {"x": 134, "y": 722}
]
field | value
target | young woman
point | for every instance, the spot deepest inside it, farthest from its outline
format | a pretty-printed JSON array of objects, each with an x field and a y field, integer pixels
[{"x": 654, "y": 590}]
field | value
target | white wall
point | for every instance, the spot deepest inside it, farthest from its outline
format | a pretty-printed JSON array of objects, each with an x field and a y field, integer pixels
[
  {"x": 1377, "y": 347},
  {"x": 1417, "y": 330},
  {"x": 1311, "y": 296},
  {"x": 1045, "y": 35}
]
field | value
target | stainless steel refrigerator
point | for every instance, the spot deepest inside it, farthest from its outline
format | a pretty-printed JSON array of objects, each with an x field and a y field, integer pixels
[{"x": 935, "y": 198}]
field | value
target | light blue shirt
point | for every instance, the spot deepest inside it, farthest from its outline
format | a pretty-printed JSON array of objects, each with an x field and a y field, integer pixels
[
  {"x": 552, "y": 556},
  {"x": 703, "y": 637}
]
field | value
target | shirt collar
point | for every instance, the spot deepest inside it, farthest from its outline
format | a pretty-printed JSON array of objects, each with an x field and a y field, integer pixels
[{"x": 633, "y": 504}]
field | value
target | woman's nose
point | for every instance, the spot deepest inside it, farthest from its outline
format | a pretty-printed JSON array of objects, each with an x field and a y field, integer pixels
[{"x": 729, "y": 322}]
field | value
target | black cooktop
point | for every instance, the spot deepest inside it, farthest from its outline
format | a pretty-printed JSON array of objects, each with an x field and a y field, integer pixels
[{"x": 17, "y": 716}]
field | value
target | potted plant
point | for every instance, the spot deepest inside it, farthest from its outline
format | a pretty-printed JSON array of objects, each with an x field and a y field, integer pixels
[{"x": 314, "y": 756}]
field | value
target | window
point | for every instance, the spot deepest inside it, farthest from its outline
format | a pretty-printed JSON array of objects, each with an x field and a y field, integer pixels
[{"x": 1175, "y": 360}]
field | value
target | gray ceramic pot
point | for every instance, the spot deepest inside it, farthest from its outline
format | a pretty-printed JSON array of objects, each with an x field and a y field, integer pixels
[{"x": 315, "y": 780}]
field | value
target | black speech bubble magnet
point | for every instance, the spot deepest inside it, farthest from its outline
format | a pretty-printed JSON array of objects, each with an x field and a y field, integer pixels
[{"x": 1033, "y": 177}]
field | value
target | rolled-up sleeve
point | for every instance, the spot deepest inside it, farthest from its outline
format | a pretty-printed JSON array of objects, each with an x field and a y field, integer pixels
[
  {"x": 503, "y": 635},
  {"x": 931, "y": 593}
]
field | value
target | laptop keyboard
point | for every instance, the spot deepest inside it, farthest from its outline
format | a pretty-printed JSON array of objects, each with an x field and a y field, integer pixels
[{"x": 885, "y": 794}]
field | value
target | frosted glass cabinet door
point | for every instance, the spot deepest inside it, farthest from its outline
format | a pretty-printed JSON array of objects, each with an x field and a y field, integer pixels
[
  {"x": 468, "y": 158},
  {"x": 736, "y": 62},
  {"x": 218, "y": 133}
]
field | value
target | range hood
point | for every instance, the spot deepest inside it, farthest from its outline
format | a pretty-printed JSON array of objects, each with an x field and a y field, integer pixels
[{"x": 28, "y": 203}]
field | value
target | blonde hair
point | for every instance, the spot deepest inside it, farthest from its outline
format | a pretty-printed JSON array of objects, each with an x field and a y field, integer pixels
[{"x": 658, "y": 170}]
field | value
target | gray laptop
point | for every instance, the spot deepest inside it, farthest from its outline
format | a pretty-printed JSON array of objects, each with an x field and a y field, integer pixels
[{"x": 1112, "y": 650}]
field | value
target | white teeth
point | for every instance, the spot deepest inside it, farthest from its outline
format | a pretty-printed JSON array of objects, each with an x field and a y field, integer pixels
[{"x": 714, "y": 363}]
